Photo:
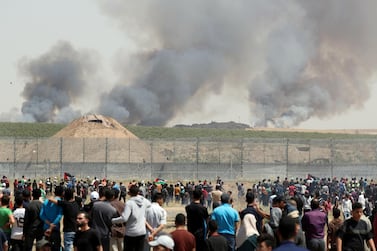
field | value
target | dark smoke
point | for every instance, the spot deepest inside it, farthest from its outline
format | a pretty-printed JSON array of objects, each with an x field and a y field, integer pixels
[
  {"x": 296, "y": 59},
  {"x": 57, "y": 79}
]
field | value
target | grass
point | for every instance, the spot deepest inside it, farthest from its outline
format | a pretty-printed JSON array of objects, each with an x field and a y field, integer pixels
[{"x": 32, "y": 130}]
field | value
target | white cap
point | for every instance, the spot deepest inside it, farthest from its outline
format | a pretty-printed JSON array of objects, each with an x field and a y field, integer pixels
[
  {"x": 94, "y": 195},
  {"x": 163, "y": 240}
]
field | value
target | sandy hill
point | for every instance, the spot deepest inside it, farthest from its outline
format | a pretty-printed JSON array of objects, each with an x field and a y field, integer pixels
[
  {"x": 96, "y": 133},
  {"x": 95, "y": 126}
]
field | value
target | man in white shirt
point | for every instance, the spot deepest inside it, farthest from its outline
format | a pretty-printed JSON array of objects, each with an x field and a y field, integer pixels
[{"x": 156, "y": 219}]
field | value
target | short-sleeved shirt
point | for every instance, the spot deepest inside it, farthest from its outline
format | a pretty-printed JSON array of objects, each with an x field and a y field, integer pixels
[
  {"x": 217, "y": 243},
  {"x": 87, "y": 240},
  {"x": 4, "y": 218},
  {"x": 183, "y": 240},
  {"x": 353, "y": 234},
  {"x": 156, "y": 215},
  {"x": 225, "y": 216}
]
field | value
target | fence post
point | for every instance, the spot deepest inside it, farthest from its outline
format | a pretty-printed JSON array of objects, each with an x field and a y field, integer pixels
[
  {"x": 241, "y": 158},
  {"x": 286, "y": 156},
  {"x": 106, "y": 155},
  {"x": 197, "y": 158},
  {"x": 332, "y": 157},
  {"x": 151, "y": 159},
  {"x": 61, "y": 157},
  {"x": 14, "y": 158}
]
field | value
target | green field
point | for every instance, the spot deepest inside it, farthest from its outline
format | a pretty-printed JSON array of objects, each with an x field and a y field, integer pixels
[{"x": 32, "y": 130}]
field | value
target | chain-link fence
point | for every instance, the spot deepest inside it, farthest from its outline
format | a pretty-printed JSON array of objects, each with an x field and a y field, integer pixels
[{"x": 187, "y": 159}]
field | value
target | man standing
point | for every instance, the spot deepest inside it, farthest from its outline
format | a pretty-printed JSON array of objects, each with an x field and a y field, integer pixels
[
  {"x": 86, "y": 238},
  {"x": 183, "y": 239},
  {"x": 332, "y": 229},
  {"x": 197, "y": 217},
  {"x": 313, "y": 224},
  {"x": 102, "y": 213},
  {"x": 70, "y": 210},
  {"x": 117, "y": 230},
  {"x": 17, "y": 229},
  {"x": 156, "y": 218},
  {"x": 215, "y": 241},
  {"x": 134, "y": 217},
  {"x": 51, "y": 215},
  {"x": 33, "y": 225},
  {"x": 6, "y": 216},
  {"x": 354, "y": 232},
  {"x": 216, "y": 196},
  {"x": 227, "y": 220}
]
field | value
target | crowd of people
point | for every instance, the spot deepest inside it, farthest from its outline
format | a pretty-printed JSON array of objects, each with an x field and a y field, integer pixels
[{"x": 311, "y": 213}]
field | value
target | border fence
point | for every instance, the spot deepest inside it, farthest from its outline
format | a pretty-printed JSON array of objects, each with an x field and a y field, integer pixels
[{"x": 188, "y": 159}]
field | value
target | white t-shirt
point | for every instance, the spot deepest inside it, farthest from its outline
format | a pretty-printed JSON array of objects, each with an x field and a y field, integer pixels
[
  {"x": 156, "y": 215},
  {"x": 17, "y": 227}
]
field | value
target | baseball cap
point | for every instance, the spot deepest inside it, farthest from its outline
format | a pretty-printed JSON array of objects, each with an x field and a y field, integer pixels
[
  {"x": 163, "y": 240},
  {"x": 94, "y": 195}
]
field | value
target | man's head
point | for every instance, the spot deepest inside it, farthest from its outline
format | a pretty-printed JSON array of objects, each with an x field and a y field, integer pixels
[
  {"x": 5, "y": 200},
  {"x": 134, "y": 190},
  {"x": 225, "y": 198},
  {"x": 26, "y": 194},
  {"x": 265, "y": 242},
  {"x": 250, "y": 197},
  {"x": 212, "y": 226},
  {"x": 68, "y": 194},
  {"x": 59, "y": 190},
  {"x": 278, "y": 201},
  {"x": 18, "y": 201},
  {"x": 336, "y": 213},
  {"x": 197, "y": 194},
  {"x": 157, "y": 197},
  {"x": 314, "y": 204},
  {"x": 36, "y": 193},
  {"x": 357, "y": 211},
  {"x": 288, "y": 228},
  {"x": 162, "y": 243},
  {"x": 180, "y": 220},
  {"x": 82, "y": 219}
]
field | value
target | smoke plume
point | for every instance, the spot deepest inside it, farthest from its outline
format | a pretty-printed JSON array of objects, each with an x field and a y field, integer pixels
[
  {"x": 296, "y": 59},
  {"x": 57, "y": 80}
]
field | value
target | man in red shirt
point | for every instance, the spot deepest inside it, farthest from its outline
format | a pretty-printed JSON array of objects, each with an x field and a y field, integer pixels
[{"x": 183, "y": 239}]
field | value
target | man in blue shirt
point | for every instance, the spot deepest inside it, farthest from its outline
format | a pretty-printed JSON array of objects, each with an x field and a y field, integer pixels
[
  {"x": 227, "y": 220},
  {"x": 51, "y": 215}
]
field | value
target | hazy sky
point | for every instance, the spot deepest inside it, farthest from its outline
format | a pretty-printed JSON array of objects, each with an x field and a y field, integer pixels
[{"x": 103, "y": 40}]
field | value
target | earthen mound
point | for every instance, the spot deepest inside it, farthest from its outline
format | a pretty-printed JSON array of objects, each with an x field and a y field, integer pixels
[{"x": 95, "y": 126}]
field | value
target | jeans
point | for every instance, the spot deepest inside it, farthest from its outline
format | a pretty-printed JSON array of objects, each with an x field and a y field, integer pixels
[
  {"x": 68, "y": 240},
  {"x": 231, "y": 239}
]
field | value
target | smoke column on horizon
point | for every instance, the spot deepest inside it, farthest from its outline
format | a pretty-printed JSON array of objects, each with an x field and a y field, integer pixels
[
  {"x": 56, "y": 80},
  {"x": 296, "y": 59}
]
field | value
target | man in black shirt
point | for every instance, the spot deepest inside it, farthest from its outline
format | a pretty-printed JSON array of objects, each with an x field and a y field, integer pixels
[
  {"x": 86, "y": 239},
  {"x": 197, "y": 217},
  {"x": 33, "y": 226},
  {"x": 70, "y": 210},
  {"x": 354, "y": 231}
]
